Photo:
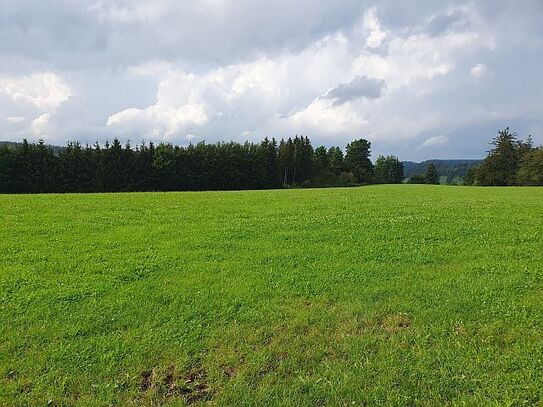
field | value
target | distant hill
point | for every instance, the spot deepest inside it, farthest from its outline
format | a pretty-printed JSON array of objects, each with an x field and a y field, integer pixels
[{"x": 449, "y": 170}]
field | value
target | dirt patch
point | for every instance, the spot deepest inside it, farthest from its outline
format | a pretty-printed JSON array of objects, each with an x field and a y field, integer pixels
[
  {"x": 162, "y": 385},
  {"x": 460, "y": 330},
  {"x": 170, "y": 381},
  {"x": 268, "y": 368},
  {"x": 228, "y": 371},
  {"x": 147, "y": 379},
  {"x": 395, "y": 323},
  {"x": 11, "y": 375},
  {"x": 195, "y": 387}
]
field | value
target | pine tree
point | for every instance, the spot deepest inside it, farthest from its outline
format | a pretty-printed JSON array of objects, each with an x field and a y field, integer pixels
[
  {"x": 287, "y": 161},
  {"x": 388, "y": 170},
  {"x": 503, "y": 161},
  {"x": 336, "y": 160},
  {"x": 7, "y": 169},
  {"x": 357, "y": 160},
  {"x": 271, "y": 163},
  {"x": 530, "y": 171},
  {"x": 322, "y": 162},
  {"x": 431, "y": 176}
]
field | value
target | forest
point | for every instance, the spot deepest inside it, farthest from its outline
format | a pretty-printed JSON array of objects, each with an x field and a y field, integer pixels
[
  {"x": 112, "y": 167},
  {"x": 510, "y": 162}
]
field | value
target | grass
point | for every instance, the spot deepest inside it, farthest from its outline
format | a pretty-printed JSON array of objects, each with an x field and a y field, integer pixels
[{"x": 384, "y": 295}]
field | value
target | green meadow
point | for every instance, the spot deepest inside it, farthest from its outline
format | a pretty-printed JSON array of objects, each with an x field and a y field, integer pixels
[{"x": 382, "y": 295}]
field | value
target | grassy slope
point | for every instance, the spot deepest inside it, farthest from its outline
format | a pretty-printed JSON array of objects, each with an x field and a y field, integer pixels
[{"x": 381, "y": 295}]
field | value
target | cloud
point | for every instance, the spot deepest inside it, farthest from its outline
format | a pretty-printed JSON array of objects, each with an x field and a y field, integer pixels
[
  {"x": 14, "y": 119},
  {"x": 40, "y": 125},
  {"x": 119, "y": 33},
  {"x": 435, "y": 141},
  {"x": 373, "y": 26},
  {"x": 185, "y": 102},
  {"x": 265, "y": 96},
  {"x": 161, "y": 121},
  {"x": 31, "y": 102},
  {"x": 394, "y": 72},
  {"x": 320, "y": 116},
  {"x": 479, "y": 71},
  {"x": 441, "y": 23},
  {"x": 359, "y": 87},
  {"x": 43, "y": 90}
]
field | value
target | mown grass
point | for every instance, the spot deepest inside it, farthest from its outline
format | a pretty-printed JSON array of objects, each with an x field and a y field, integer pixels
[{"x": 384, "y": 295}]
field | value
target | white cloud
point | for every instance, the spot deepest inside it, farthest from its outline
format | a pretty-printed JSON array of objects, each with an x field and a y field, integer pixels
[
  {"x": 302, "y": 92},
  {"x": 43, "y": 90},
  {"x": 323, "y": 116},
  {"x": 15, "y": 119},
  {"x": 33, "y": 99},
  {"x": 160, "y": 120},
  {"x": 479, "y": 71},
  {"x": 222, "y": 69},
  {"x": 128, "y": 12},
  {"x": 40, "y": 125},
  {"x": 435, "y": 141},
  {"x": 372, "y": 25},
  {"x": 188, "y": 101}
]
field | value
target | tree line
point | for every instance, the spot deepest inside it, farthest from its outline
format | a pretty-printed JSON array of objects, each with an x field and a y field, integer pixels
[
  {"x": 430, "y": 176},
  {"x": 450, "y": 171},
  {"x": 511, "y": 162},
  {"x": 113, "y": 167}
]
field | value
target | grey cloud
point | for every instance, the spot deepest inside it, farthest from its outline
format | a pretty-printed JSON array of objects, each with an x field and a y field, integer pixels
[
  {"x": 444, "y": 22},
  {"x": 83, "y": 34},
  {"x": 359, "y": 87},
  {"x": 257, "y": 63},
  {"x": 406, "y": 18}
]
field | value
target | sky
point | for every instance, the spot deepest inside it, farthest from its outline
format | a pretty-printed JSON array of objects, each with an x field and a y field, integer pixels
[{"x": 419, "y": 79}]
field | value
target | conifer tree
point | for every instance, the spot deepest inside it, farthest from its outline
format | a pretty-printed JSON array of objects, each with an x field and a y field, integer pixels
[
  {"x": 431, "y": 176},
  {"x": 357, "y": 160},
  {"x": 503, "y": 161}
]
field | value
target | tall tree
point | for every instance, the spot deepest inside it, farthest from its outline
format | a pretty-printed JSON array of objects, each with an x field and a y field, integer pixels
[
  {"x": 336, "y": 160},
  {"x": 388, "y": 170},
  {"x": 469, "y": 178},
  {"x": 77, "y": 169},
  {"x": 357, "y": 160},
  {"x": 164, "y": 168},
  {"x": 321, "y": 159},
  {"x": 431, "y": 176},
  {"x": 503, "y": 161},
  {"x": 24, "y": 174},
  {"x": 303, "y": 159},
  {"x": 286, "y": 161},
  {"x": 143, "y": 168},
  {"x": 270, "y": 158},
  {"x": 530, "y": 171},
  {"x": 7, "y": 169}
]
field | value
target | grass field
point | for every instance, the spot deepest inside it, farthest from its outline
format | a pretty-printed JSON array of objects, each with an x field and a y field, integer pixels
[{"x": 384, "y": 295}]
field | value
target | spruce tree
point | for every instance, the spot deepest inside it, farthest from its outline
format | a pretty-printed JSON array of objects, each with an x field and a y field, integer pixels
[
  {"x": 431, "y": 176},
  {"x": 357, "y": 161},
  {"x": 503, "y": 161}
]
